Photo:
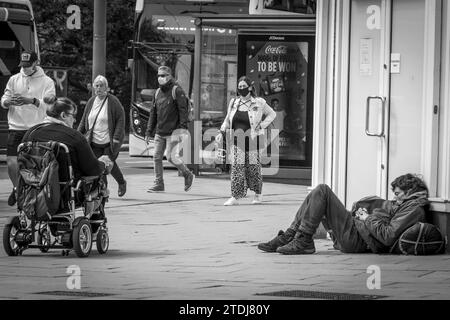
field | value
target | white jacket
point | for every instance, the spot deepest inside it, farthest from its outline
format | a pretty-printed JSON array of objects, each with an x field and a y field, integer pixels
[
  {"x": 36, "y": 86},
  {"x": 258, "y": 109}
]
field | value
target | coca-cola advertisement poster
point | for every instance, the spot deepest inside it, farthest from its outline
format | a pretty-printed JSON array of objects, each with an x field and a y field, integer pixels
[{"x": 281, "y": 68}]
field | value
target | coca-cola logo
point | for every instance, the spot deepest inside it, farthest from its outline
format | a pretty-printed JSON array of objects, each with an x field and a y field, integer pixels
[{"x": 276, "y": 50}]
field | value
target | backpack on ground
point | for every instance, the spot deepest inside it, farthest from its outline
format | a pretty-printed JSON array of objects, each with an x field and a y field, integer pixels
[
  {"x": 189, "y": 103},
  {"x": 420, "y": 239},
  {"x": 38, "y": 189}
]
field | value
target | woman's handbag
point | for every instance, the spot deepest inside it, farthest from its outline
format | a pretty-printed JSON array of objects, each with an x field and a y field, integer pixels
[
  {"x": 88, "y": 134},
  {"x": 221, "y": 153}
]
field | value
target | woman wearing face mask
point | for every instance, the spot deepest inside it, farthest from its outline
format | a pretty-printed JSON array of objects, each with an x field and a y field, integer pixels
[
  {"x": 245, "y": 119},
  {"x": 103, "y": 122}
]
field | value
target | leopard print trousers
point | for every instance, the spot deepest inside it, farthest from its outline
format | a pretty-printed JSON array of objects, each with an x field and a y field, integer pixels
[{"x": 245, "y": 172}]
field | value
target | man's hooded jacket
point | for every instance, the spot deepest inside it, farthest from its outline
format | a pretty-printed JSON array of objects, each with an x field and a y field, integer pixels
[
  {"x": 38, "y": 85},
  {"x": 388, "y": 221}
]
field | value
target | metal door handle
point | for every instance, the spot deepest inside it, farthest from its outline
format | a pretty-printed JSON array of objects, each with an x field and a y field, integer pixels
[{"x": 383, "y": 113}]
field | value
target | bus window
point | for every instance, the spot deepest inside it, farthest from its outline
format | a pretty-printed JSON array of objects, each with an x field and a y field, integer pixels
[
  {"x": 10, "y": 50},
  {"x": 165, "y": 34},
  {"x": 24, "y": 34},
  {"x": 18, "y": 33},
  {"x": 7, "y": 44}
]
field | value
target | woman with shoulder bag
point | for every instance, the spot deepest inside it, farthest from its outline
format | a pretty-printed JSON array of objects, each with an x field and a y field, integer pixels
[
  {"x": 103, "y": 125},
  {"x": 245, "y": 124}
]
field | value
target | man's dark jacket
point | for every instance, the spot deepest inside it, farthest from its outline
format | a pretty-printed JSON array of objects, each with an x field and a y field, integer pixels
[
  {"x": 167, "y": 115},
  {"x": 386, "y": 223},
  {"x": 84, "y": 162}
]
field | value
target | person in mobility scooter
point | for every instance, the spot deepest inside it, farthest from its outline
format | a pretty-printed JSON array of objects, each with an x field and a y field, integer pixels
[{"x": 61, "y": 191}]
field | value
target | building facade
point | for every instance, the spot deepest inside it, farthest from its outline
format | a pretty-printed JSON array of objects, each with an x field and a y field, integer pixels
[
  {"x": 381, "y": 104},
  {"x": 361, "y": 87}
]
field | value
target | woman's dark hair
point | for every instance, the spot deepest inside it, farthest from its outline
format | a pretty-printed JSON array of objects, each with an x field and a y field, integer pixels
[
  {"x": 409, "y": 183},
  {"x": 249, "y": 83},
  {"x": 61, "y": 105}
]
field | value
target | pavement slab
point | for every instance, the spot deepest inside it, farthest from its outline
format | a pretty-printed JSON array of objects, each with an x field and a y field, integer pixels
[{"x": 181, "y": 245}]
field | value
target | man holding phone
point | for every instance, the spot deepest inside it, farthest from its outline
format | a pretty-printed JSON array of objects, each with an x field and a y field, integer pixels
[{"x": 26, "y": 96}]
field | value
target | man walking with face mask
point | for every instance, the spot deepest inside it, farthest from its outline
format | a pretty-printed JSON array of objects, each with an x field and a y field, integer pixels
[
  {"x": 168, "y": 119},
  {"x": 24, "y": 98}
]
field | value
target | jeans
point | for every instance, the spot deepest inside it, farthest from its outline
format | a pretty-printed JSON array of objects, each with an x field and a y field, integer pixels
[
  {"x": 322, "y": 205},
  {"x": 104, "y": 149},
  {"x": 172, "y": 153}
]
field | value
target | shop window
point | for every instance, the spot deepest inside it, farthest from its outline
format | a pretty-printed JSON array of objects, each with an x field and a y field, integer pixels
[
  {"x": 282, "y": 70},
  {"x": 299, "y": 6}
]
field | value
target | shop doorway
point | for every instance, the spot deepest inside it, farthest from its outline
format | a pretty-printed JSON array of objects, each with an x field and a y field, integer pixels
[{"x": 385, "y": 94}]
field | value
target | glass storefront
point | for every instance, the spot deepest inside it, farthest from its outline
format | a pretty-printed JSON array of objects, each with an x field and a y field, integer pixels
[
  {"x": 282, "y": 70},
  {"x": 218, "y": 75},
  {"x": 166, "y": 35},
  {"x": 281, "y": 66}
]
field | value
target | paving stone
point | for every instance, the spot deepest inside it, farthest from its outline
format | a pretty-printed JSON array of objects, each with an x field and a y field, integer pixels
[{"x": 178, "y": 245}]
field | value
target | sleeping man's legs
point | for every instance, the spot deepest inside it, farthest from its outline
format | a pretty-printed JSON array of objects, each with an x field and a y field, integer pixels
[{"x": 321, "y": 205}]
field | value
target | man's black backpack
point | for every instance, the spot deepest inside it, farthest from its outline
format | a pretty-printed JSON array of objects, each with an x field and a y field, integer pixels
[
  {"x": 189, "y": 103},
  {"x": 38, "y": 190},
  {"x": 420, "y": 239}
]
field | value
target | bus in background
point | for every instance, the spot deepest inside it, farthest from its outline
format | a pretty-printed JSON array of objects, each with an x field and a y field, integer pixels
[
  {"x": 18, "y": 33},
  {"x": 164, "y": 32}
]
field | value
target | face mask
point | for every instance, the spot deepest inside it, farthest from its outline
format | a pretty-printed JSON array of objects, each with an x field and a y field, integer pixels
[
  {"x": 28, "y": 70},
  {"x": 163, "y": 80},
  {"x": 243, "y": 92}
]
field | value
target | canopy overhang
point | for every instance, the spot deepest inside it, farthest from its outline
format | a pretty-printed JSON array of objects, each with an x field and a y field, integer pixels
[{"x": 304, "y": 24}]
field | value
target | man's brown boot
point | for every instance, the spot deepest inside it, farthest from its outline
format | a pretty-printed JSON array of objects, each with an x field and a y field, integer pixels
[
  {"x": 301, "y": 244},
  {"x": 281, "y": 239}
]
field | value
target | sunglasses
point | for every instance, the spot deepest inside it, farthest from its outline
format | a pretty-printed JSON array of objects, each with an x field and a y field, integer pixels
[{"x": 162, "y": 75}]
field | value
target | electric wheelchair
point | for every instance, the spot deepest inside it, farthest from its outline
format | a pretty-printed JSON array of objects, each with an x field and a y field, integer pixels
[{"x": 75, "y": 222}]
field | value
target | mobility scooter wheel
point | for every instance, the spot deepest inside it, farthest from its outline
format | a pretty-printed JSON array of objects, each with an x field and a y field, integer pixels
[
  {"x": 82, "y": 238},
  {"x": 9, "y": 232},
  {"x": 102, "y": 241},
  {"x": 44, "y": 239}
]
